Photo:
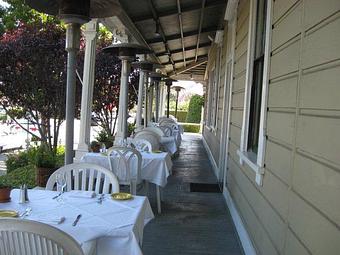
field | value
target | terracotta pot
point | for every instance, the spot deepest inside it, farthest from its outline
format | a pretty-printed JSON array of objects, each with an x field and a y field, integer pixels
[
  {"x": 5, "y": 195},
  {"x": 43, "y": 174}
]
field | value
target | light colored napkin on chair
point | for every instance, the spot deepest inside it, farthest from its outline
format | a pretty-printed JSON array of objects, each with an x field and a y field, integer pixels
[{"x": 82, "y": 194}]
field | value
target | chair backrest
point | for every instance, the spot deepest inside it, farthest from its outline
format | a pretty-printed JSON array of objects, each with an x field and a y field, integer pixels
[
  {"x": 151, "y": 137},
  {"x": 172, "y": 125},
  {"x": 27, "y": 237},
  {"x": 87, "y": 177},
  {"x": 155, "y": 130},
  {"x": 166, "y": 130},
  {"x": 126, "y": 163},
  {"x": 141, "y": 144}
]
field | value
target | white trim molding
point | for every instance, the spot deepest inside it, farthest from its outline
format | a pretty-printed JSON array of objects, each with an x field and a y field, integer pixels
[
  {"x": 256, "y": 163},
  {"x": 210, "y": 156},
  {"x": 246, "y": 242}
]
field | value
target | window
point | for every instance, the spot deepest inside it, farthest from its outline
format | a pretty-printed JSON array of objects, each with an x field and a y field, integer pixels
[
  {"x": 252, "y": 147},
  {"x": 256, "y": 87}
]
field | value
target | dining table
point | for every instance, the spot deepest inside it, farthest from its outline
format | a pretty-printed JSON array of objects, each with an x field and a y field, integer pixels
[
  {"x": 156, "y": 168},
  {"x": 108, "y": 227}
]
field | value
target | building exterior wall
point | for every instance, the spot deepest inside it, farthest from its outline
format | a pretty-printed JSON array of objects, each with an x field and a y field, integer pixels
[{"x": 296, "y": 210}]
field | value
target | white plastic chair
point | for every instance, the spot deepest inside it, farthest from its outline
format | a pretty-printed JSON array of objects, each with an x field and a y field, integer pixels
[
  {"x": 141, "y": 144},
  {"x": 166, "y": 130},
  {"x": 126, "y": 163},
  {"x": 87, "y": 177},
  {"x": 151, "y": 137},
  {"x": 155, "y": 130},
  {"x": 26, "y": 237}
]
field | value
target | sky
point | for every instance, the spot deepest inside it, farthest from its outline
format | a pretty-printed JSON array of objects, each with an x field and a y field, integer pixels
[{"x": 2, "y": 3}]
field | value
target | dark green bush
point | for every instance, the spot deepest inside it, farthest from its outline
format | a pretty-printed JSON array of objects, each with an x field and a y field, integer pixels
[
  {"x": 45, "y": 157},
  {"x": 23, "y": 158},
  {"x": 181, "y": 115},
  {"x": 104, "y": 137},
  {"x": 195, "y": 109},
  {"x": 191, "y": 127},
  {"x": 19, "y": 176}
]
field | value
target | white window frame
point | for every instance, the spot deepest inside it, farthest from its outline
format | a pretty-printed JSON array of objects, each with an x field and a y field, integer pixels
[
  {"x": 210, "y": 87},
  {"x": 256, "y": 164}
]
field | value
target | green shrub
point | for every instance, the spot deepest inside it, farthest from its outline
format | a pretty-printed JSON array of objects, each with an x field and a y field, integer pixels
[
  {"x": 19, "y": 176},
  {"x": 181, "y": 115},
  {"x": 191, "y": 127},
  {"x": 23, "y": 158},
  {"x": 3, "y": 117},
  {"x": 45, "y": 157},
  {"x": 195, "y": 109},
  {"x": 104, "y": 137}
]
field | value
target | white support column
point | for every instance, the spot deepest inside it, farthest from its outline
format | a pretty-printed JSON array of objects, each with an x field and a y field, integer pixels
[
  {"x": 162, "y": 100},
  {"x": 123, "y": 100},
  {"x": 146, "y": 102},
  {"x": 157, "y": 102},
  {"x": 87, "y": 89},
  {"x": 140, "y": 97},
  {"x": 150, "y": 102}
]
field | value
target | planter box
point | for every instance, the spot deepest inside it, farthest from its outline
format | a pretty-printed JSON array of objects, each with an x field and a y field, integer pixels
[
  {"x": 43, "y": 174},
  {"x": 5, "y": 195}
]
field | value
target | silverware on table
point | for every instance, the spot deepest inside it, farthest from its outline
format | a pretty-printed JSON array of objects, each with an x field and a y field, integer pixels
[
  {"x": 62, "y": 219},
  {"x": 76, "y": 220},
  {"x": 57, "y": 195},
  {"x": 101, "y": 198},
  {"x": 26, "y": 212}
]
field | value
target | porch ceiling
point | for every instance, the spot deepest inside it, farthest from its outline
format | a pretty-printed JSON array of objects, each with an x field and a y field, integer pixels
[{"x": 183, "y": 29}]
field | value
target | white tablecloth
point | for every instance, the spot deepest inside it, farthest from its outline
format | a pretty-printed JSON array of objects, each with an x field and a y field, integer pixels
[
  {"x": 109, "y": 228},
  {"x": 169, "y": 144},
  {"x": 156, "y": 167}
]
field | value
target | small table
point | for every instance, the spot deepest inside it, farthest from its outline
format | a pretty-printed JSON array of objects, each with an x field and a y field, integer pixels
[
  {"x": 112, "y": 227},
  {"x": 156, "y": 168}
]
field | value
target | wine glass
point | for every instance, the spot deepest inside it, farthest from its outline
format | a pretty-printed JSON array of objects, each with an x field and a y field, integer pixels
[{"x": 61, "y": 184}]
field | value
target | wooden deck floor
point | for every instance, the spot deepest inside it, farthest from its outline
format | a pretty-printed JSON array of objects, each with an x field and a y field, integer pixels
[{"x": 191, "y": 222}]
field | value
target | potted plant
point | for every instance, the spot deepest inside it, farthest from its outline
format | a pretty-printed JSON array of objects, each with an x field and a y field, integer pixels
[
  {"x": 5, "y": 189},
  {"x": 46, "y": 164},
  {"x": 95, "y": 146},
  {"x": 104, "y": 138}
]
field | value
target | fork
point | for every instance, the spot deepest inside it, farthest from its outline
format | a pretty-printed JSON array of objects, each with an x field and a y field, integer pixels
[
  {"x": 101, "y": 198},
  {"x": 26, "y": 212}
]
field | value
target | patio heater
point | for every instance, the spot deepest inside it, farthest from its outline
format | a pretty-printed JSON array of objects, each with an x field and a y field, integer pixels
[
  {"x": 145, "y": 67},
  {"x": 126, "y": 52},
  {"x": 168, "y": 84},
  {"x": 156, "y": 79},
  {"x": 74, "y": 13},
  {"x": 178, "y": 89}
]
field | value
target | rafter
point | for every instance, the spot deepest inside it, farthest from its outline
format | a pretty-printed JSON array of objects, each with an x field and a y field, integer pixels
[
  {"x": 199, "y": 29},
  {"x": 181, "y": 29},
  {"x": 185, "y": 34},
  {"x": 190, "y": 66},
  {"x": 188, "y": 59},
  {"x": 173, "y": 11},
  {"x": 202, "y": 45}
]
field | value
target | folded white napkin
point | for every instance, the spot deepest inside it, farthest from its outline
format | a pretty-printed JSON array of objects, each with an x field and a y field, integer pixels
[
  {"x": 82, "y": 194},
  {"x": 49, "y": 219}
]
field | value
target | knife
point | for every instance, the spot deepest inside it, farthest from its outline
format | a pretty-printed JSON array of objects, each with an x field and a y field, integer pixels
[{"x": 76, "y": 220}]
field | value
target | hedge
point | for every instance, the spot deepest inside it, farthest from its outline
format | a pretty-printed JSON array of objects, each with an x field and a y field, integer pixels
[
  {"x": 22, "y": 175},
  {"x": 181, "y": 115},
  {"x": 191, "y": 127},
  {"x": 195, "y": 109}
]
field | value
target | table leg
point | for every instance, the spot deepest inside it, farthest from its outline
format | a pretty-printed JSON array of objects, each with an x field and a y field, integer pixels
[
  {"x": 158, "y": 194},
  {"x": 146, "y": 188}
]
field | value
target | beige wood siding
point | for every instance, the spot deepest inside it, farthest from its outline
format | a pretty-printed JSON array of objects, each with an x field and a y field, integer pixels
[{"x": 297, "y": 210}]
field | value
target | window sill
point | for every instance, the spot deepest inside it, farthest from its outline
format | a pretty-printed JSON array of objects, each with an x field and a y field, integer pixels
[{"x": 245, "y": 157}]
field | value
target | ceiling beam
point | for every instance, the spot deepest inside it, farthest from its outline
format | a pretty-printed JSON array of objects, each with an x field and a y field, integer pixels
[
  {"x": 181, "y": 29},
  {"x": 202, "y": 45},
  {"x": 199, "y": 29},
  {"x": 188, "y": 59},
  {"x": 173, "y": 11},
  {"x": 161, "y": 31},
  {"x": 185, "y": 34},
  {"x": 190, "y": 66}
]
